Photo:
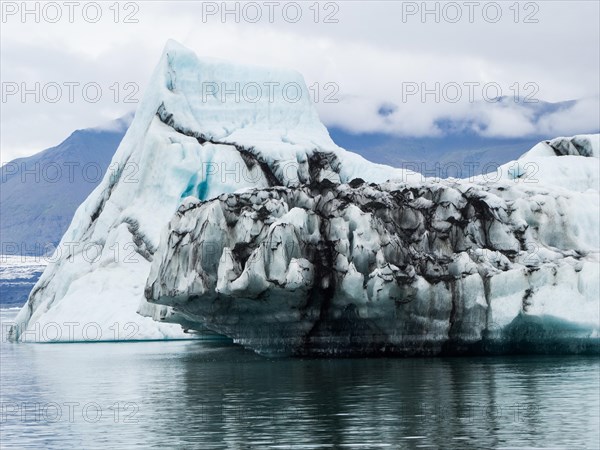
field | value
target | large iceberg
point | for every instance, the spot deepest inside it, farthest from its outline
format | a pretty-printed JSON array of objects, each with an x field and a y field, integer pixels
[
  {"x": 426, "y": 267},
  {"x": 245, "y": 219},
  {"x": 204, "y": 127}
]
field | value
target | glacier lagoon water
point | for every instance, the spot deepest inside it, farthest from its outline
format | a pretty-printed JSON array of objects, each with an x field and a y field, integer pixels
[{"x": 213, "y": 394}]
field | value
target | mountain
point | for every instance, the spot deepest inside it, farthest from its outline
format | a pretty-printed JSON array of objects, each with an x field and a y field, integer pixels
[
  {"x": 247, "y": 219},
  {"x": 462, "y": 149},
  {"x": 39, "y": 194},
  {"x": 458, "y": 155}
]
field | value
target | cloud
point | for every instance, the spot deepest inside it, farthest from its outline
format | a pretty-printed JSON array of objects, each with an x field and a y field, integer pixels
[
  {"x": 582, "y": 117},
  {"x": 370, "y": 58}
]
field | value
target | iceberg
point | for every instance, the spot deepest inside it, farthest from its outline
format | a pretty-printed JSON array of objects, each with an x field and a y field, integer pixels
[
  {"x": 242, "y": 217},
  {"x": 188, "y": 138},
  {"x": 408, "y": 268}
]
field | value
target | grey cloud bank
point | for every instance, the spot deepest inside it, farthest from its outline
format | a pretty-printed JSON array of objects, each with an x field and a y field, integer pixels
[{"x": 414, "y": 44}]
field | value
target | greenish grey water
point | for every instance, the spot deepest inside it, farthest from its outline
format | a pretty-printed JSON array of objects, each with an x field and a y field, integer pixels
[{"x": 194, "y": 394}]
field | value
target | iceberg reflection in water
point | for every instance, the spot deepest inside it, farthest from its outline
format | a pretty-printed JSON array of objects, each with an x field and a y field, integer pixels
[{"x": 203, "y": 394}]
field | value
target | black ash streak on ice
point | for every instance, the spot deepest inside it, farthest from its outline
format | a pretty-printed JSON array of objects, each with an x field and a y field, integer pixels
[
  {"x": 317, "y": 161},
  {"x": 420, "y": 232}
]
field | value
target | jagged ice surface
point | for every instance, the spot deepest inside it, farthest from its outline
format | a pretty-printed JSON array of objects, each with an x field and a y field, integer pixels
[{"x": 404, "y": 268}]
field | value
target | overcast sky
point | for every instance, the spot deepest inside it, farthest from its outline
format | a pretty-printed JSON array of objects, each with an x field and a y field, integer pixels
[{"x": 374, "y": 53}]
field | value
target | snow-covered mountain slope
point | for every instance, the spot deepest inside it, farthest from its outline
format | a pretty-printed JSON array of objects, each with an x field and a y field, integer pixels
[
  {"x": 183, "y": 141},
  {"x": 39, "y": 194},
  {"x": 411, "y": 268}
]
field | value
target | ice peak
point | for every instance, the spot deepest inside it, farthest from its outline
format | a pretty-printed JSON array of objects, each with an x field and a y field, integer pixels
[
  {"x": 222, "y": 99},
  {"x": 203, "y": 128}
]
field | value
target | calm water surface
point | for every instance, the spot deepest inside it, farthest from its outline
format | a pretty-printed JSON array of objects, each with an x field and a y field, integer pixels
[{"x": 193, "y": 394}]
